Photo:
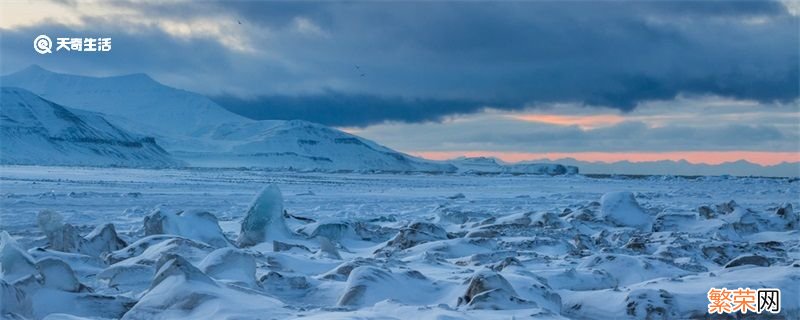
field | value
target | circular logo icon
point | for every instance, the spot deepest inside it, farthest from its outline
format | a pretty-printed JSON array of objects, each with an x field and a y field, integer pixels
[{"x": 42, "y": 44}]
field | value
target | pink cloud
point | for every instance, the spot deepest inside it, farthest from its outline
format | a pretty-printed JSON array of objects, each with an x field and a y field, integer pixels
[{"x": 585, "y": 121}]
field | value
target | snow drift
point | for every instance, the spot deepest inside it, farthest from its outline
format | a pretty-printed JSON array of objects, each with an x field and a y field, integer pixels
[{"x": 622, "y": 209}]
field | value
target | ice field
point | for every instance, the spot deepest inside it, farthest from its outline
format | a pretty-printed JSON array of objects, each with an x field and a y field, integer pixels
[{"x": 216, "y": 243}]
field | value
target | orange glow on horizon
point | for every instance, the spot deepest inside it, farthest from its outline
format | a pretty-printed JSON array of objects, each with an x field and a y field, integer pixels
[
  {"x": 763, "y": 158},
  {"x": 585, "y": 122}
]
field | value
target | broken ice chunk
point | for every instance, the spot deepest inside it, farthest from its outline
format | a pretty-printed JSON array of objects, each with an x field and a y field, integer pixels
[
  {"x": 489, "y": 290},
  {"x": 230, "y": 264},
  {"x": 15, "y": 263},
  {"x": 197, "y": 225},
  {"x": 621, "y": 208},
  {"x": 264, "y": 219}
]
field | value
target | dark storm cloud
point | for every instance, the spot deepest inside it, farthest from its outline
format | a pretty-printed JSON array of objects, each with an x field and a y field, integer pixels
[
  {"x": 424, "y": 61},
  {"x": 517, "y": 54},
  {"x": 361, "y": 109},
  {"x": 149, "y": 51}
]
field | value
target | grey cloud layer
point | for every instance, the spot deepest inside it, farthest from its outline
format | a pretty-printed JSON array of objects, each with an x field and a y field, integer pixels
[
  {"x": 514, "y": 136},
  {"x": 426, "y": 61},
  {"x": 718, "y": 125}
]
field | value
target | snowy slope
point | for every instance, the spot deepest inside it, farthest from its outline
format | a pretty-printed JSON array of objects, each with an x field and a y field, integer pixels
[
  {"x": 197, "y": 130},
  {"x": 304, "y": 144},
  {"x": 158, "y": 108},
  {"x": 37, "y": 131}
]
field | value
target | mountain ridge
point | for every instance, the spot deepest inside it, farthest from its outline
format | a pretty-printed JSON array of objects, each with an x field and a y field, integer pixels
[
  {"x": 200, "y": 132},
  {"x": 38, "y": 131}
]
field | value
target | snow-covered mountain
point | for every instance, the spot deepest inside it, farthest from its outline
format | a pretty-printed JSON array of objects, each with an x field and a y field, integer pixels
[
  {"x": 154, "y": 107},
  {"x": 302, "y": 144},
  {"x": 202, "y": 133},
  {"x": 36, "y": 131},
  {"x": 480, "y": 165}
]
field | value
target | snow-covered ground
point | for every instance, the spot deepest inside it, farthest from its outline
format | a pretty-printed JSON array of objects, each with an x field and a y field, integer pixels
[{"x": 212, "y": 243}]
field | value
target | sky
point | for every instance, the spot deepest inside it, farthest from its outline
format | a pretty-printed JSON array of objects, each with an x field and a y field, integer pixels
[{"x": 705, "y": 81}]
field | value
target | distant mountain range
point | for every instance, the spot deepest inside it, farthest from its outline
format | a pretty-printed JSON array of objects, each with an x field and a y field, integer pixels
[
  {"x": 484, "y": 165},
  {"x": 681, "y": 167}
]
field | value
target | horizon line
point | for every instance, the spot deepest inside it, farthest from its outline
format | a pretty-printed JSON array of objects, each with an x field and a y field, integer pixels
[{"x": 714, "y": 158}]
